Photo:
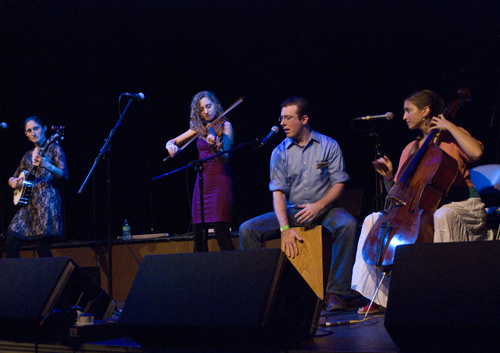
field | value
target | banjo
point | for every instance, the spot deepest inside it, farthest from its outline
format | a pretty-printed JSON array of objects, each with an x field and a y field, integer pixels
[{"x": 22, "y": 194}]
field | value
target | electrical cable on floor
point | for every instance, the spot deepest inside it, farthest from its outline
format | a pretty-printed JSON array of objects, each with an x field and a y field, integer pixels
[{"x": 348, "y": 322}]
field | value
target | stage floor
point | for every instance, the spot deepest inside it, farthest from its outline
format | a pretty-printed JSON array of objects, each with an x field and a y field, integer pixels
[{"x": 363, "y": 337}]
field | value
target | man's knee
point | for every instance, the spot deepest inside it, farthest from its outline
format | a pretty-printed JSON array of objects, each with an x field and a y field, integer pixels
[
  {"x": 246, "y": 227},
  {"x": 245, "y": 234},
  {"x": 348, "y": 223},
  {"x": 345, "y": 227},
  {"x": 352, "y": 223}
]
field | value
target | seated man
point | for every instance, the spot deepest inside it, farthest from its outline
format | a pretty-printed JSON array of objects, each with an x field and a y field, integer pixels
[{"x": 307, "y": 179}]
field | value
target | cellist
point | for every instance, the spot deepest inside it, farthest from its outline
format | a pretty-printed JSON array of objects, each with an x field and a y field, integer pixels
[{"x": 461, "y": 217}]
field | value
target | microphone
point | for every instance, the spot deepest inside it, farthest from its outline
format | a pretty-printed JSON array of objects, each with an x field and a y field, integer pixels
[
  {"x": 274, "y": 131},
  {"x": 3, "y": 125},
  {"x": 387, "y": 116},
  {"x": 138, "y": 96}
]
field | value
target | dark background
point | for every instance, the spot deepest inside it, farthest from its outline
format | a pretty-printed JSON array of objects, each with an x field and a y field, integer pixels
[{"x": 68, "y": 62}]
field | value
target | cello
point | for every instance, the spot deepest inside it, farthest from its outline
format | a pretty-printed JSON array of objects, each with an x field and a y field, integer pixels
[{"x": 424, "y": 180}]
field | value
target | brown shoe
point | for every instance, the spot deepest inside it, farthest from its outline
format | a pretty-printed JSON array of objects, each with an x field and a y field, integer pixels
[{"x": 336, "y": 303}]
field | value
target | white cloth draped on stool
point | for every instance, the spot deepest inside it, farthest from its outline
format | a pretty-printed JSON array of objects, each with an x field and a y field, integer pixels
[
  {"x": 365, "y": 278},
  {"x": 454, "y": 222}
]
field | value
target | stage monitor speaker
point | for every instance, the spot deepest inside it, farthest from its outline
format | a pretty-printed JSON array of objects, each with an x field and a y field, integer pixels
[
  {"x": 39, "y": 298},
  {"x": 219, "y": 300},
  {"x": 444, "y": 297}
]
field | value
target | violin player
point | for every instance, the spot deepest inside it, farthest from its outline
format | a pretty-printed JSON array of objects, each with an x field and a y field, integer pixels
[
  {"x": 461, "y": 216},
  {"x": 307, "y": 178},
  {"x": 217, "y": 182}
]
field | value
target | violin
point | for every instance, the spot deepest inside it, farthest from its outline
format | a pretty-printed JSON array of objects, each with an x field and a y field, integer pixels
[
  {"x": 216, "y": 126},
  {"x": 424, "y": 179}
]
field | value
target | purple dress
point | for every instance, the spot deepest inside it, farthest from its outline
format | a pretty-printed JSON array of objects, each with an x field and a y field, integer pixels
[{"x": 217, "y": 189}]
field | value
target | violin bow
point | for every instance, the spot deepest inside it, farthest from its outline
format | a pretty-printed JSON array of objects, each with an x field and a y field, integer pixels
[{"x": 209, "y": 125}]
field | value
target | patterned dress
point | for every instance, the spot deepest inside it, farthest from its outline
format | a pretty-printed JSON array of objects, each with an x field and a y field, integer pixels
[
  {"x": 217, "y": 189},
  {"x": 43, "y": 214}
]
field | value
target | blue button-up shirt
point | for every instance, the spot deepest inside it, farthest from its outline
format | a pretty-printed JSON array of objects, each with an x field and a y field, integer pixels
[{"x": 293, "y": 169}]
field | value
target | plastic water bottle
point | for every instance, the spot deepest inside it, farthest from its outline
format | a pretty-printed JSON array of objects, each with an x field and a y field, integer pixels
[{"x": 126, "y": 231}]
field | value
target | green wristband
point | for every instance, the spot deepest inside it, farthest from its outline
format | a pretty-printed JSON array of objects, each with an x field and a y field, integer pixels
[{"x": 282, "y": 229}]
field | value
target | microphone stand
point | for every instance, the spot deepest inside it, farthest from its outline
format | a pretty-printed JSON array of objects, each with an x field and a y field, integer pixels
[
  {"x": 198, "y": 165},
  {"x": 106, "y": 150}
]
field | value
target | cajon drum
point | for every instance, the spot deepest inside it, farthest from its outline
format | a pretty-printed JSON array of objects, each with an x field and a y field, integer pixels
[{"x": 313, "y": 261}]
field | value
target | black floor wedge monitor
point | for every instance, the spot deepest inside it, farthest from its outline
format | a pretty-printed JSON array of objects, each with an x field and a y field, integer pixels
[
  {"x": 220, "y": 300},
  {"x": 39, "y": 298},
  {"x": 444, "y": 297}
]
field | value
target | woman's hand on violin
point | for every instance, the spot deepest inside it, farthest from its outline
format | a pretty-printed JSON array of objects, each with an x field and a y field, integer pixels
[
  {"x": 383, "y": 166},
  {"x": 211, "y": 140},
  {"x": 172, "y": 149},
  {"x": 215, "y": 142}
]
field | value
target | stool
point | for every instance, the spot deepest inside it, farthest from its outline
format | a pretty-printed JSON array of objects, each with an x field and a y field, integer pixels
[{"x": 313, "y": 261}]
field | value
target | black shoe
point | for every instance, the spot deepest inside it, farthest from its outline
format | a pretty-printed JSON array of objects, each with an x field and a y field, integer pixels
[
  {"x": 336, "y": 303},
  {"x": 356, "y": 300}
]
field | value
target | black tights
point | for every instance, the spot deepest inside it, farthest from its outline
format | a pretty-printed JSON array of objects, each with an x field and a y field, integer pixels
[
  {"x": 13, "y": 246},
  {"x": 222, "y": 234}
]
